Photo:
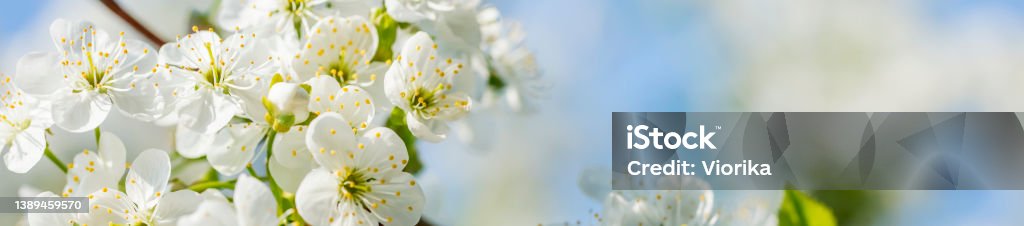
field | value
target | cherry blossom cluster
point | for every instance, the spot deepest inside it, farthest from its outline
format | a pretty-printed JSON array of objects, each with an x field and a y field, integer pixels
[{"x": 327, "y": 97}]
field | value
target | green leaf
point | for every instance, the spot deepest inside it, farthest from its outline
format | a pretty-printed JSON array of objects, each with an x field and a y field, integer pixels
[{"x": 799, "y": 209}]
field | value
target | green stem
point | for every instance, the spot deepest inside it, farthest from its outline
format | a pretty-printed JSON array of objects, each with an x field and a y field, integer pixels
[
  {"x": 252, "y": 172},
  {"x": 97, "y": 133},
  {"x": 53, "y": 158},
  {"x": 290, "y": 198},
  {"x": 202, "y": 186},
  {"x": 276, "y": 190},
  {"x": 211, "y": 175},
  {"x": 397, "y": 123}
]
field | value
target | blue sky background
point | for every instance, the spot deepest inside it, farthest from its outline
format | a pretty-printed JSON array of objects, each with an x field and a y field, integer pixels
[{"x": 607, "y": 56}]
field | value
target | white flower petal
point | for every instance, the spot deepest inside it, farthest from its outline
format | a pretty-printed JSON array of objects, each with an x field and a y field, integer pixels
[
  {"x": 384, "y": 151},
  {"x": 175, "y": 204},
  {"x": 69, "y": 35},
  {"x": 418, "y": 50},
  {"x": 290, "y": 148},
  {"x": 112, "y": 154},
  {"x": 395, "y": 87},
  {"x": 83, "y": 178},
  {"x": 242, "y": 148},
  {"x": 428, "y": 130},
  {"x": 148, "y": 178},
  {"x": 211, "y": 212},
  {"x": 178, "y": 53},
  {"x": 359, "y": 215},
  {"x": 142, "y": 102},
  {"x": 91, "y": 171},
  {"x": 140, "y": 54},
  {"x": 402, "y": 12},
  {"x": 331, "y": 141},
  {"x": 170, "y": 53},
  {"x": 317, "y": 197},
  {"x": 25, "y": 151},
  {"x": 289, "y": 178},
  {"x": 351, "y": 39},
  {"x": 82, "y": 111},
  {"x": 254, "y": 202},
  {"x": 458, "y": 29},
  {"x": 453, "y": 106},
  {"x": 376, "y": 90},
  {"x": 39, "y": 73},
  {"x": 405, "y": 199},
  {"x": 210, "y": 112},
  {"x": 321, "y": 90},
  {"x": 356, "y": 106},
  {"x": 192, "y": 144},
  {"x": 238, "y": 13},
  {"x": 107, "y": 207},
  {"x": 351, "y": 7},
  {"x": 250, "y": 95}
]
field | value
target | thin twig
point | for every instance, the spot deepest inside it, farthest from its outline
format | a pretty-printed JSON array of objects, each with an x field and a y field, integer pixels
[
  {"x": 120, "y": 12},
  {"x": 53, "y": 158}
]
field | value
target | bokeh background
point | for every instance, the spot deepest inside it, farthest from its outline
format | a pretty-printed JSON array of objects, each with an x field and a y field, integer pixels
[{"x": 655, "y": 55}]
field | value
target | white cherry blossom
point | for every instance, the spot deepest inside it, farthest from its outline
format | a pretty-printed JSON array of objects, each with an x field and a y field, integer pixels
[
  {"x": 342, "y": 48},
  {"x": 95, "y": 170},
  {"x": 147, "y": 200},
  {"x": 420, "y": 83},
  {"x": 360, "y": 181},
  {"x": 23, "y": 124},
  {"x": 89, "y": 74},
  {"x": 217, "y": 78}
]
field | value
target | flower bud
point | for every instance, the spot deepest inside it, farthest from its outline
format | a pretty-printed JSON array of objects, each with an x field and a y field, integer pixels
[{"x": 288, "y": 99}]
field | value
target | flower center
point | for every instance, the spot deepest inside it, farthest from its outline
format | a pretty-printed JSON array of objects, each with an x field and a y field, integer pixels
[
  {"x": 93, "y": 76},
  {"x": 296, "y": 6},
  {"x": 341, "y": 71},
  {"x": 424, "y": 102},
  {"x": 353, "y": 184},
  {"x": 214, "y": 75}
]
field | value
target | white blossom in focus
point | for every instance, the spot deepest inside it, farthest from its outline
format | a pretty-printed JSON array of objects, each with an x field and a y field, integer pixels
[
  {"x": 420, "y": 83},
  {"x": 360, "y": 181},
  {"x": 341, "y": 49},
  {"x": 216, "y": 78}
]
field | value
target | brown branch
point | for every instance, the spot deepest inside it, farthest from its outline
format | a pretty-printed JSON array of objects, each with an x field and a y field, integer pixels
[{"x": 116, "y": 9}]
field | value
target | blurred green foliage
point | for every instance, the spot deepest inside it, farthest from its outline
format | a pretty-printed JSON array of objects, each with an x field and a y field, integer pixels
[
  {"x": 799, "y": 209},
  {"x": 852, "y": 207}
]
